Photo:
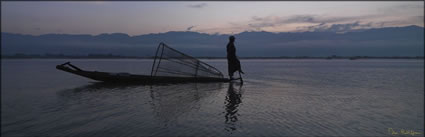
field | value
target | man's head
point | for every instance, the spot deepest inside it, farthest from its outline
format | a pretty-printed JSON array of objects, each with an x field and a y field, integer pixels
[{"x": 232, "y": 38}]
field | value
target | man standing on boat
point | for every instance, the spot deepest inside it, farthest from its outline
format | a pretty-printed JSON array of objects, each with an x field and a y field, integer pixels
[{"x": 233, "y": 62}]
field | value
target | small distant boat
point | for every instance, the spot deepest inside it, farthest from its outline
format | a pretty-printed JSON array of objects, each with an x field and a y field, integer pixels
[{"x": 169, "y": 66}]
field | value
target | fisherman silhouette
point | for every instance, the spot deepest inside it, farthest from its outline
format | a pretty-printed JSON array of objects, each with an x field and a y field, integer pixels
[{"x": 233, "y": 62}]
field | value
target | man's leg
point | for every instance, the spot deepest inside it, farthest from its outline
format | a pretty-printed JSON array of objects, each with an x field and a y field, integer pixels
[
  {"x": 231, "y": 75},
  {"x": 241, "y": 71},
  {"x": 240, "y": 76}
]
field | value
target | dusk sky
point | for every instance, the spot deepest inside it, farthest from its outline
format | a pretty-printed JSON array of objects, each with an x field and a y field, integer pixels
[{"x": 135, "y": 18}]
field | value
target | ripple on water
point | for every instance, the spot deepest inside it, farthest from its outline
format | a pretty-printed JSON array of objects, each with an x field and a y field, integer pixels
[{"x": 278, "y": 98}]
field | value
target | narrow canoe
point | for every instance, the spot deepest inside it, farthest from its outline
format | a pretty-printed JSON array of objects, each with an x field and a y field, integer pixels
[{"x": 133, "y": 78}]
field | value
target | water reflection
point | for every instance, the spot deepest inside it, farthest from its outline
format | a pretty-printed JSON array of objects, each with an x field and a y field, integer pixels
[
  {"x": 170, "y": 102},
  {"x": 233, "y": 99},
  {"x": 164, "y": 104}
]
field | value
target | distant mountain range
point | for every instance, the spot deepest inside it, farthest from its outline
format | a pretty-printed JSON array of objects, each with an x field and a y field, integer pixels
[{"x": 390, "y": 41}]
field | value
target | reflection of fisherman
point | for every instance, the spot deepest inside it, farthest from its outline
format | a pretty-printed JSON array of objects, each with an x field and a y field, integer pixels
[
  {"x": 233, "y": 62},
  {"x": 233, "y": 99}
]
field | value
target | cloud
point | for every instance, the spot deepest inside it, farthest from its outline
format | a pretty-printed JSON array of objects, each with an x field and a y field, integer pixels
[
  {"x": 406, "y": 21},
  {"x": 200, "y": 5},
  {"x": 340, "y": 28},
  {"x": 190, "y": 28},
  {"x": 318, "y": 23},
  {"x": 259, "y": 23},
  {"x": 301, "y": 19},
  {"x": 288, "y": 23}
]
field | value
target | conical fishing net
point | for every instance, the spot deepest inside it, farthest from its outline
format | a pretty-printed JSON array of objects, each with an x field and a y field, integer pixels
[{"x": 170, "y": 62}]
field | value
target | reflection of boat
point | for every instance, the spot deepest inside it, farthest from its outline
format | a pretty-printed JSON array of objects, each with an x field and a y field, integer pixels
[
  {"x": 166, "y": 103},
  {"x": 173, "y": 101},
  {"x": 169, "y": 66}
]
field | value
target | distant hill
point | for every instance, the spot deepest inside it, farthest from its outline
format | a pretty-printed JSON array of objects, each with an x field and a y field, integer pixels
[{"x": 391, "y": 41}]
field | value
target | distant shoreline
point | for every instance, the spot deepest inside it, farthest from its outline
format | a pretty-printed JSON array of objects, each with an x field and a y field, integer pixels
[{"x": 135, "y": 57}]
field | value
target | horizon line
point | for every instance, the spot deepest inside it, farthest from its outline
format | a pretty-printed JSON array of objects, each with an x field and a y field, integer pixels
[{"x": 201, "y": 32}]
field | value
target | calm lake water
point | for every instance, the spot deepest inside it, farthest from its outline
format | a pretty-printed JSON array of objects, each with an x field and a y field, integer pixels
[{"x": 278, "y": 98}]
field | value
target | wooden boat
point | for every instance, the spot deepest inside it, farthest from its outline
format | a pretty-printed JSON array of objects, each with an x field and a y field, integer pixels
[
  {"x": 212, "y": 74},
  {"x": 132, "y": 78}
]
